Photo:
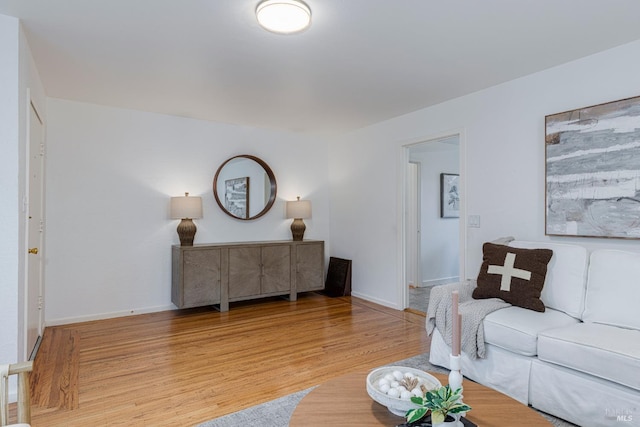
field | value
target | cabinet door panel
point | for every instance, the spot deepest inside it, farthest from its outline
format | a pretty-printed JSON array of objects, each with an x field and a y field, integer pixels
[
  {"x": 244, "y": 272},
  {"x": 310, "y": 267},
  {"x": 201, "y": 277},
  {"x": 276, "y": 269}
]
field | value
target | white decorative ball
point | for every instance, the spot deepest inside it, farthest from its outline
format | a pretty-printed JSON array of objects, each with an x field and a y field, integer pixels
[
  {"x": 398, "y": 375},
  {"x": 393, "y": 392}
]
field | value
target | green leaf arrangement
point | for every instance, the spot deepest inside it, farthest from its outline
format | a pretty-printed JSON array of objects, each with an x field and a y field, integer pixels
[{"x": 440, "y": 402}]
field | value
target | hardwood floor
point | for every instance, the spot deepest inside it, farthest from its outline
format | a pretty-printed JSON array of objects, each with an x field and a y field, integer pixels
[
  {"x": 54, "y": 380},
  {"x": 180, "y": 368}
]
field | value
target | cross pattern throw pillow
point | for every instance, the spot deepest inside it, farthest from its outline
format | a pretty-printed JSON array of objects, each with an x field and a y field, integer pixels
[{"x": 512, "y": 274}]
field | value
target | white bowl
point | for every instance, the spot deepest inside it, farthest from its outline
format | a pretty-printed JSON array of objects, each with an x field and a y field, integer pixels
[{"x": 396, "y": 405}]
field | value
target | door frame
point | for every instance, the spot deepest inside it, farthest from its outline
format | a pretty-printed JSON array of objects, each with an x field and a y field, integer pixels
[
  {"x": 413, "y": 229},
  {"x": 403, "y": 289}
]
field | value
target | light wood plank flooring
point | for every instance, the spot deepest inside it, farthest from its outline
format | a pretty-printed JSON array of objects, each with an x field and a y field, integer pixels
[{"x": 180, "y": 368}]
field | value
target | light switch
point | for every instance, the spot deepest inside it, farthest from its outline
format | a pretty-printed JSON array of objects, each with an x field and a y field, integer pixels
[{"x": 474, "y": 221}]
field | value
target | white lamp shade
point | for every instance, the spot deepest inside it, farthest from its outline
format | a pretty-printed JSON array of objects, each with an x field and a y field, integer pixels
[
  {"x": 283, "y": 16},
  {"x": 298, "y": 209},
  {"x": 186, "y": 207}
]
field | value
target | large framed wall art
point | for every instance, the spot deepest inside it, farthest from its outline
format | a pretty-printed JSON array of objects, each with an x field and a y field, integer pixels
[{"x": 592, "y": 157}]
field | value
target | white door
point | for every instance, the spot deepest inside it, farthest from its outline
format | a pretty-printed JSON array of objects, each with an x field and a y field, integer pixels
[{"x": 35, "y": 225}]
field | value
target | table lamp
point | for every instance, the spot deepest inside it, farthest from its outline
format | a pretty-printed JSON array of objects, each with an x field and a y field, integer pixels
[
  {"x": 186, "y": 208},
  {"x": 298, "y": 210}
]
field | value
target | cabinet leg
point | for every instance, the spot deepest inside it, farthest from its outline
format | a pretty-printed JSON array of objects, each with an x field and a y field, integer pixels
[{"x": 222, "y": 307}]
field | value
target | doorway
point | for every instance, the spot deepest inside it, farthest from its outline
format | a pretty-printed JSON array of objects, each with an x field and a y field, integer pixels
[{"x": 432, "y": 220}]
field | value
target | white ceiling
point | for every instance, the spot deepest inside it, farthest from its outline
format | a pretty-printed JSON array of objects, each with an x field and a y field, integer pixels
[{"x": 361, "y": 62}]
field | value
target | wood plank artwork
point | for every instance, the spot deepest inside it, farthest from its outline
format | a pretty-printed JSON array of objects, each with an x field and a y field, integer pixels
[{"x": 184, "y": 367}]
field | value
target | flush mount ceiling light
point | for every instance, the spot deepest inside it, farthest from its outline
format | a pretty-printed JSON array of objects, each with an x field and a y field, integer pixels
[{"x": 283, "y": 16}]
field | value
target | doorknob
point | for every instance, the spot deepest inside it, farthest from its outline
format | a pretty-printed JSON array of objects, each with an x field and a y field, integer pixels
[{"x": 33, "y": 251}]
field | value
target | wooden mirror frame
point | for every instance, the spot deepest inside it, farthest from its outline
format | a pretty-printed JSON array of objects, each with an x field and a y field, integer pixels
[{"x": 272, "y": 180}]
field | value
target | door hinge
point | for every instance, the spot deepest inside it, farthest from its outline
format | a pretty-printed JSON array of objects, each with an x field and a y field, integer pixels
[
  {"x": 40, "y": 302},
  {"x": 42, "y": 149}
]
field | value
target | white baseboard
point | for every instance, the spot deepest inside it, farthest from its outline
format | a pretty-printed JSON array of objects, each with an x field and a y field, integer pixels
[
  {"x": 375, "y": 300},
  {"x": 440, "y": 281},
  {"x": 111, "y": 315}
]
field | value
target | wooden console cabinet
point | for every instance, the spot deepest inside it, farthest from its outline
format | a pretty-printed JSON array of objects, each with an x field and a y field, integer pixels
[{"x": 217, "y": 274}]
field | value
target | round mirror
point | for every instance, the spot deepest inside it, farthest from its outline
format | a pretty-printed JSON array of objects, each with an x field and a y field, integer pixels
[{"x": 245, "y": 187}]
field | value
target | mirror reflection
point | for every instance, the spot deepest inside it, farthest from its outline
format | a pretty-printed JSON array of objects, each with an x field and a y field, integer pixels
[{"x": 244, "y": 187}]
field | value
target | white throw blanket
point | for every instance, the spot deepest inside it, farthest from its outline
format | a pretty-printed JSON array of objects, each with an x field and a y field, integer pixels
[{"x": 472, "y": 310}]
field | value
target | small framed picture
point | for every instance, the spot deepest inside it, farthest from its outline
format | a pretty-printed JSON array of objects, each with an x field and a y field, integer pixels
[
  {"x": 236, "y": 197},
  {"x": 449, "y": 196}
]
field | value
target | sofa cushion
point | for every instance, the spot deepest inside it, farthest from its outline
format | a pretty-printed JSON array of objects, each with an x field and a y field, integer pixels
[
  {"x": 613, "y": 289},
  {"x": 604, "y": 351},
  {"x": 565, "y": 286},
  {"x": 516, "y": 329},
  {"x": 513, "y": 275}
]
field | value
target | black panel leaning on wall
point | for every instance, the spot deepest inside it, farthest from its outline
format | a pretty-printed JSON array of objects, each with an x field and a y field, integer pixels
[{"x": 338, "y": 281}]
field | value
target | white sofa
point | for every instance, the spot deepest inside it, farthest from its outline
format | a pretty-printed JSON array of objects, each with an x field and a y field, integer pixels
[{"x": 580, "y": 359}]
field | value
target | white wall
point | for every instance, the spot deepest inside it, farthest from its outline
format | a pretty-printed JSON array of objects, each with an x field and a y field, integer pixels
[
  {"x": 439, "y": 245},
  {"x": 9, "y": 190},
  {"x": 111, "y": 173},
  {"x": 503, "y": 146},
  {"x": 18, "y": 78}
]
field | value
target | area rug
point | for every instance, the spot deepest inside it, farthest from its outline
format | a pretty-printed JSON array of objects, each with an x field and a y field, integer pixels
[{"x": 276, "y": 413}]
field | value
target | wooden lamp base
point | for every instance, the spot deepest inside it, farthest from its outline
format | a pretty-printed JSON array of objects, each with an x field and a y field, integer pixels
[
  {"x": 297, "y": 229},
  {"x": 186, "y": 232}
]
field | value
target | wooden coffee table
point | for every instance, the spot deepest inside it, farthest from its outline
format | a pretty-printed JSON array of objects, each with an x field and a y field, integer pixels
[{"x": 344, "y": 401}]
